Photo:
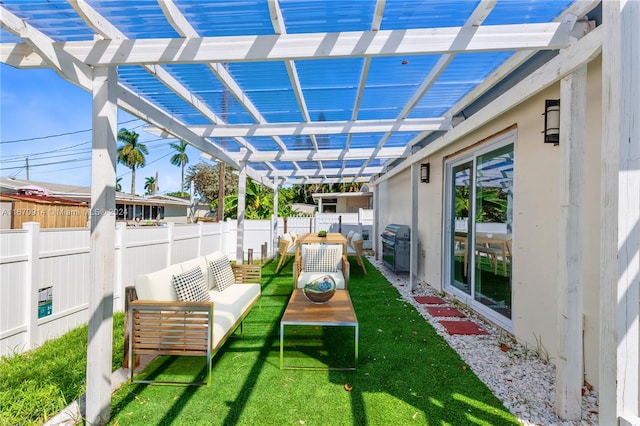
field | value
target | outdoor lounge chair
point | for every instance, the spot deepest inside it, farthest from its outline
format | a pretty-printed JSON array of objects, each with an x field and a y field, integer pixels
[
  {"x": 354, "y": 248},
  {"x": 286, "y": 249}
]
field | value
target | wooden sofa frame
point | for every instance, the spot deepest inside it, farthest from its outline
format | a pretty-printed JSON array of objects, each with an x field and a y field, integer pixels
[{"x": 177, "y": 328}]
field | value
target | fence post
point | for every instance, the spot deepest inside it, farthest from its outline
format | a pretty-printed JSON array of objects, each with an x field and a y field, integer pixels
[
  {"x": 33, "y": 282},
  {"x": 118, "y": 262},
  {"x": 200, "y": 237},
  {"x": 249, "y": 256},
  {"x": 285, "y": 224},
  {"x": 340, "y": 224},
  {"x": 311, "y": 224},
  {"x": 263, "y": 253},
  {"x": 170, "y": 228}
]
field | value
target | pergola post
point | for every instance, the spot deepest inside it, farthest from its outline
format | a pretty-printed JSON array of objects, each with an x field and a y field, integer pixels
[
  {"x": 620, "y": 215},
  {"x": 413, "y": 262},
  {"x": 569, "y": 367},
  {"x": 102, "y": 245},
  {"x": 274, "y": 221},
  {"x": 376, "y": 222},
  {"x": 242, "y": 193}
]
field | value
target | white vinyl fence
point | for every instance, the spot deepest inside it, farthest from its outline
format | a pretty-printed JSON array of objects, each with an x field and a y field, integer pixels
[{"x": 44, "y": 273}]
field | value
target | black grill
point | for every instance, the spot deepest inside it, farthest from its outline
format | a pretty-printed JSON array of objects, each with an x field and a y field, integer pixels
[{"x": 396, "y": 247}]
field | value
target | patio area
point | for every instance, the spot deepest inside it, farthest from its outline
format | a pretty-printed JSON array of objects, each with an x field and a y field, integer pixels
[
  {"x": 404, "y": 334},
  {"x": 521, "y": 114}
]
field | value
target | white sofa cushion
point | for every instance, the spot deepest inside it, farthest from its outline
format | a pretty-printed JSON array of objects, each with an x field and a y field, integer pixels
[
  {"x": 190, "y": 286},
  {"x": 200, "y": 262},
  {"x": 306, "y": 277},
  {"x": 229, "y": 305},
  {"x": 158, "y": 285}
]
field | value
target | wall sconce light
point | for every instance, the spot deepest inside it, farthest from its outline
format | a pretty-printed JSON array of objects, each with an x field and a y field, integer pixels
[
  {"x": 552, "y": 121},
  {"x": 424, "y": 172}
]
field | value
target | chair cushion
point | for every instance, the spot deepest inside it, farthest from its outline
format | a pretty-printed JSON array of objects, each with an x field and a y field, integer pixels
[
  {"x": 290, "y": 239},
  {"x": 350, "y": 236},
  {"x": 190, "y": 286},
  {"x": 221, "y": 273},
  {"x": 321, "y": 257},
  {"x": 306, "y": 277}
]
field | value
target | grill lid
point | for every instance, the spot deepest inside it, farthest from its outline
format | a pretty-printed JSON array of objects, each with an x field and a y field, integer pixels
[{"x": 395, "y": 232}]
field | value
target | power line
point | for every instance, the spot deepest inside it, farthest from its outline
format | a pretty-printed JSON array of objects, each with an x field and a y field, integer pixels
[
  {"x": 48, "y": 164},
  {"x": 21, "y": 157},
  {"x": 60, "y": 134}
]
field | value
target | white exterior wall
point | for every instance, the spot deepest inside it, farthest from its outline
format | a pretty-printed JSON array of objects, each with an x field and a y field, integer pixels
[{"x": 535, "y": 219}]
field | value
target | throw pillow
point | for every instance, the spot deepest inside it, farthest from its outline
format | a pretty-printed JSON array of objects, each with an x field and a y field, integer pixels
[
  {"x": 221, "y": 272},
  {"x": 190, "y": 286}
]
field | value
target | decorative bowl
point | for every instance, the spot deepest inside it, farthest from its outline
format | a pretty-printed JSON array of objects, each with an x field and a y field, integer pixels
[
  {"x": 320, "y": 290},
  {"x": 322, "y": 233}
]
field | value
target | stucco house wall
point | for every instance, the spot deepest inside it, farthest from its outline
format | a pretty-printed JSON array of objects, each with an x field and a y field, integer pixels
[{"x": 536, "y": 214}]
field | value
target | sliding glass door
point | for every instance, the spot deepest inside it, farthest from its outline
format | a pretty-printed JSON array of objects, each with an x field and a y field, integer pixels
[
  {"x": 461, "y": 226},
  {"x": 478, "y": 249}
]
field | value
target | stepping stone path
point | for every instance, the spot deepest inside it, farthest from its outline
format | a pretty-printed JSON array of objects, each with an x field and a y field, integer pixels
[{"x": 465, "y": 327}]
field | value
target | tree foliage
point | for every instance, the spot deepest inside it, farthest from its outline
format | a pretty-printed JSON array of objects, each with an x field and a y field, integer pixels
[
  {"x": 131, "y": 153},
  {"x": 206, "y": 180},
  {"x": 259, "y": 202},
  {"x": 150, "y": 185},
  {"x": 180, "y": 159}
]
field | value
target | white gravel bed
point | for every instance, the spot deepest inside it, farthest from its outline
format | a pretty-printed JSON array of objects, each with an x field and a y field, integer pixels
[{"x": 521, "y": 377}]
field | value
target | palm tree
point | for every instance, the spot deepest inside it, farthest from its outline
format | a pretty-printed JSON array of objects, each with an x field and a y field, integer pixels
[
  {"x": 131, "y": 154},
  {"x": 150, "y": 185},
  {"x": 180, "y": 158}
]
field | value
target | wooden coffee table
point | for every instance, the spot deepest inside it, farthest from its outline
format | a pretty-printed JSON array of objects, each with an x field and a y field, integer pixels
[{"x": 337, "y": 312}]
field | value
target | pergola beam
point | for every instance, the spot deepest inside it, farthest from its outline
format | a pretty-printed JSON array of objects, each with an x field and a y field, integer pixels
[
  {"x": 324, "y": 155},
  {"x": 494, "y": 38},
  {"x": 321, "y": 128},
  {"x": 569, "y": 59},
  {"x": 462, "y": 39},
  {"x": 277, "y": 21},
  {"x": 103, "y": 27},
  {"x": 354, "y": 171}
]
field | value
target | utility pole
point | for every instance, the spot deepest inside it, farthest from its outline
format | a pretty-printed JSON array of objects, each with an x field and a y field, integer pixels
[{"x": 26, "y": 159}]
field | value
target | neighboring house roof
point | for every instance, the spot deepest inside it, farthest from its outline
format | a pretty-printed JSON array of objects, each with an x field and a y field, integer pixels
[
  {"x": 304, "y": 208},
  {"x": 341, "y": 195},
  {"x": 42, "y": 199},
  {"x": 9, "y": 185},
  {"x": 83, "y": 193}
]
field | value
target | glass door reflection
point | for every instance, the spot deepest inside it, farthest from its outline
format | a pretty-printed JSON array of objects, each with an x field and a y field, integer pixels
[
  {"x": 461, "y": 226},
  {"x": 492, "y": 239}
]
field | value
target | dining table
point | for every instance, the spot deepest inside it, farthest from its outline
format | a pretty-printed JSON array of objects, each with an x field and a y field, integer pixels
[
  {"x": 491, "y": 243},
  {"x": 314, "y": 238},
  {"x": 496, "y": 243}
]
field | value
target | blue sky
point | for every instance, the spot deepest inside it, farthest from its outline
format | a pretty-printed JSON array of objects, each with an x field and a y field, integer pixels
[{"x": 38, "y": 104}]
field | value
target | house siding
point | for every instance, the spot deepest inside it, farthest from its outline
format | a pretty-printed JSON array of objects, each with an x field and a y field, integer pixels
[{"x": 536, "y": 214}]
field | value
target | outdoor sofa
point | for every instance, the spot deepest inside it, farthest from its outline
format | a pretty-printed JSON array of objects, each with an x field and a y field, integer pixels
[{"x": 190, "y": 308}]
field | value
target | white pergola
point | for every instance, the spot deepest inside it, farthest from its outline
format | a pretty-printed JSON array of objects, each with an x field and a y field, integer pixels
[{"x": 292, "y": 92}]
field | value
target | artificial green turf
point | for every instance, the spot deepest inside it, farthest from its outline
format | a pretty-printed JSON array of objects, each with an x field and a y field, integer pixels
[
  {"x": 37, "y": 384},
  {"x": 406, "y": 372}
]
